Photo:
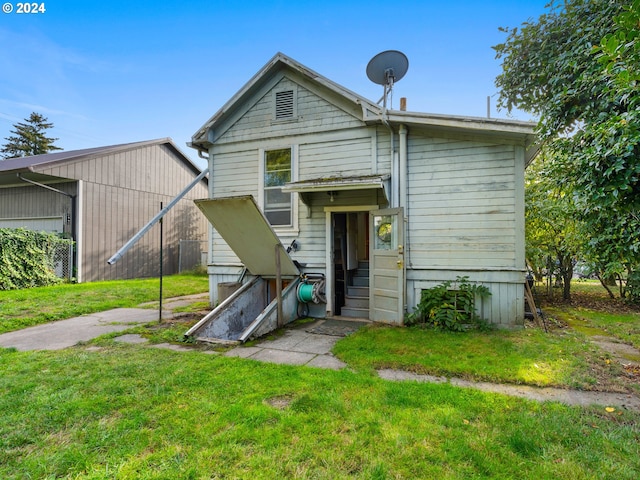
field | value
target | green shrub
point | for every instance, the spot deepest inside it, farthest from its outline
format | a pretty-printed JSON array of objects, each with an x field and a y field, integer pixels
[
  {"x": 450, "y": 306},
  {"x": 27, "y": 258},
  {"x": 633, "y": 287}
]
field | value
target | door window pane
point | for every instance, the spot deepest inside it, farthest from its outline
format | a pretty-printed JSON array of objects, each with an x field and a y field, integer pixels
[{"x": 386, "y": 234}]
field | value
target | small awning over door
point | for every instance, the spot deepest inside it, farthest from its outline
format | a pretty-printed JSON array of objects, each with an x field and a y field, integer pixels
[
  {"x": 242, "y": 225},
  {"x": 337, "y": 184}
]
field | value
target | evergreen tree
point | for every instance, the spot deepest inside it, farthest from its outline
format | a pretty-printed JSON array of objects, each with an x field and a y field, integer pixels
[{"x": 29, "y": 138}]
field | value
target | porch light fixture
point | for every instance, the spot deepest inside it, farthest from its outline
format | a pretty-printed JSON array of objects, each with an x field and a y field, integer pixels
[{"x": 332, "y": 194}]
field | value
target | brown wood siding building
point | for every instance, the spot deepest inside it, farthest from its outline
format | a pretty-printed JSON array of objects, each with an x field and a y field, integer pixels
[{"x": 118, "y": 189}]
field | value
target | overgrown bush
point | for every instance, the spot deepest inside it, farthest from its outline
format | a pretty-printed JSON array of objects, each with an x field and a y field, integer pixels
[
  {"x": 27, "y": 258},
  {"x": 450, "y": 306},
  {"x": 633, "y": 287}
]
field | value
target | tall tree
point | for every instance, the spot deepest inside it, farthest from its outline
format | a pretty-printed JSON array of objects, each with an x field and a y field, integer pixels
[
  {"x": 577, "y": 69},
  {"x": 553, "y": 237},
  {"x": 29, "y": 138}
]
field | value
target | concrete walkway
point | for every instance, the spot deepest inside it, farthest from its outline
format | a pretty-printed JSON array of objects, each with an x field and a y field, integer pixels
[
  {"x": 568, "y": 397},
  {"x": 67, "y": 333}
]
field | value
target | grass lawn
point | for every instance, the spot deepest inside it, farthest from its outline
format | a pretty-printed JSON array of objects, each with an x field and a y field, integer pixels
[
  {"x": 130, "y": 411},
  {"x": 522, "y": 357},
  {"x": 33, "y": 306}
]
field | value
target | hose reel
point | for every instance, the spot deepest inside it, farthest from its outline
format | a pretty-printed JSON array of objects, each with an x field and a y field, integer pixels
[{"x": 311, "y": 289}]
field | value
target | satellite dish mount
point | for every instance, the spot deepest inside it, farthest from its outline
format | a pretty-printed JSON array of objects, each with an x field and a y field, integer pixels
[{"x": 385, "y": 69}]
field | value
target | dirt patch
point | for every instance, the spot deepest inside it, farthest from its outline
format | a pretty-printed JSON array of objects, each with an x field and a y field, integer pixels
[
  {"x": 613, "y": 368},
  {"x": 280, "y": 402},
  {"x": 621, "y": 352},
  {"x": 593, "y": 301}
]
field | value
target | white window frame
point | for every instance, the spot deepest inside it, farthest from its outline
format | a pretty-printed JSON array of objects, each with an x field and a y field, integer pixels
[{"x": 292, "y": 229}]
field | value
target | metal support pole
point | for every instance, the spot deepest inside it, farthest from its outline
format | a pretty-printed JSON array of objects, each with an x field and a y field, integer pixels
[
  {"x": 279, "y": 287},
  {"x": 160, "y": 296}
]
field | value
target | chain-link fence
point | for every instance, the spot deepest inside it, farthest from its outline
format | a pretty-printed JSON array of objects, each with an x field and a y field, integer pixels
[
  {"x": 192, "y": 254},
  {"x": 63, "y": 261}
]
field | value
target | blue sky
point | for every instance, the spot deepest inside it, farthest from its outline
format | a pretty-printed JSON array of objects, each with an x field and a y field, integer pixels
[{"x": 113, "y": 72}]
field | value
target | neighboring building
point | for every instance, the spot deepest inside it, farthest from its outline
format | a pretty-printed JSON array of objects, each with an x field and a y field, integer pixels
[
  {"x": 101, "y": 197},
  {"x": 384, "y": 203}
]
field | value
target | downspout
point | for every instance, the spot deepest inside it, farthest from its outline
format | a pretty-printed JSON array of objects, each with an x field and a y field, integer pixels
[
  {"x": 213, "y": 293},
  {"x": 395, "y": 197},
  {"x": 402, "y": 133}
]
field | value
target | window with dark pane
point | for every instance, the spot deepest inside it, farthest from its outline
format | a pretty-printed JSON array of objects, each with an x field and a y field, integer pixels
[{"x": 277, "y": 172}]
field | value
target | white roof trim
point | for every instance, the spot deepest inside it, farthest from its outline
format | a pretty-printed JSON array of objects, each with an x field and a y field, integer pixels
[{"x": 360, "y": 182}]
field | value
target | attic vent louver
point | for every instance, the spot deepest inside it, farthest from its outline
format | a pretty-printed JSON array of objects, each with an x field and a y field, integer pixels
[{"x": 284, "y": 105}]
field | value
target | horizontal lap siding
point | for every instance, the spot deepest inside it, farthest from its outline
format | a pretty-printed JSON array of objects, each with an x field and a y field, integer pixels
[
  {"x": 331, "y": 142},
  {"x": 234, "y": 173},
  {"x": 461, "y": 198},
  {"x": 503, "y": 308},
  {"x": 314, "y": 114},
  {"x": 337, "y": 158}
]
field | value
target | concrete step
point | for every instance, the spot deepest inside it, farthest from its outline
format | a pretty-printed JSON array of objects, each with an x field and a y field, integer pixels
[
  {"x": 358, "y": 291},
  {"x": 361, "y": 272},
  {"x": 357, "y": 302},
  {"x": 360, "y": 281},
  {"x": 354, "y": 312}
]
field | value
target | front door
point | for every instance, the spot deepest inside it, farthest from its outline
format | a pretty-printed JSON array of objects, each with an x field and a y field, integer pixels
[{"x": 386, "y": 274}]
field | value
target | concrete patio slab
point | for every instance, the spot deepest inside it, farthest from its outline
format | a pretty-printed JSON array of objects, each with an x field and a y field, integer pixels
[
  {"x": 282, "y": 357},
  {"x": 327, "y": 361},
  {"x": 242, "y": 352}
]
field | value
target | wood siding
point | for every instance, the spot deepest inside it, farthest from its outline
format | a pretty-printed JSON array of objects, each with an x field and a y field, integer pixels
[
  {"x": 330, "y": 142},
  {"x": 461, "y": 204},
  {"x": 314, "y": 114},
  {"x": 464, "y": 198}
]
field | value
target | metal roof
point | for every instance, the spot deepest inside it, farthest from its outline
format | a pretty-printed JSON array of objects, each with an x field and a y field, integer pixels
[{"x": 10, "y": 167}]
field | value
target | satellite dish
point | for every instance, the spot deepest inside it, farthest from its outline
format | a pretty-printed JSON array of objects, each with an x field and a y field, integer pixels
[{"x": 387, "y": 67}]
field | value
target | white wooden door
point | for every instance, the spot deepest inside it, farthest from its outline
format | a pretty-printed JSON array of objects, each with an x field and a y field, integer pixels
[{"x": 386, "y": 274}]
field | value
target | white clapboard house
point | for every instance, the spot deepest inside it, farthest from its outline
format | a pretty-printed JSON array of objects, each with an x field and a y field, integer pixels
[{"x": 382, "y": 203}]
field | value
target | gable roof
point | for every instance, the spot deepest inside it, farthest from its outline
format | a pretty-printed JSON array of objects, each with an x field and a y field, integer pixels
[
  {"x": 9, "y": 168},
  {"x": 279, "y": 62},
  {"x": 372, "y": 113}
]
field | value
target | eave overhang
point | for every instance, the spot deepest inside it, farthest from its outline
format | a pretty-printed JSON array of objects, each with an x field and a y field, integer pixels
[{"x": 336, "y": 184}]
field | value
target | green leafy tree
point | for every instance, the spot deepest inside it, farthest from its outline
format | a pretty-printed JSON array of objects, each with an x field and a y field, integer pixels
[
  {"x": 29, "y": 138},
  {"x": 577, "y": 69},
  {"x": 553, "y": 230}
]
